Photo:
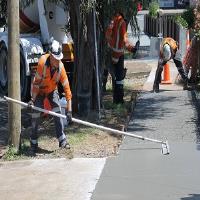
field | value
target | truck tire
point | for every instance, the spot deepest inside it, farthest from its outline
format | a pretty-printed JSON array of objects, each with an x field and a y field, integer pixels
[
  {"x": 25, "y": 81},
  {"x": 3, "y": 69}
]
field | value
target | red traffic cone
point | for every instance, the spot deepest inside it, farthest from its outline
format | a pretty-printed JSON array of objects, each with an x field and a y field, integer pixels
[{"x": 166, "y": 77}]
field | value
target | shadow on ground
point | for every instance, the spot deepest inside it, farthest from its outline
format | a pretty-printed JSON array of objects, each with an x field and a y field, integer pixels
[
  {"x": 154, "y": 107},
  {"x": 196, "y": 104},
  {"x": 192, "y": 197}
]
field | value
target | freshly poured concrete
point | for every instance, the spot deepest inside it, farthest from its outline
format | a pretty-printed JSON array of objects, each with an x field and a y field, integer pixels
[{"x": 140, "y": 171}]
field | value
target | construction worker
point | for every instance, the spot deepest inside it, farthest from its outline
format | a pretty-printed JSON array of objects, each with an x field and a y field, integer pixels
[
  {"x": 116, "y": 36},
  {"x": 49, "y": 72},
  {"x": 169, "y": 50},
  {"x": 191, "y": 59}
]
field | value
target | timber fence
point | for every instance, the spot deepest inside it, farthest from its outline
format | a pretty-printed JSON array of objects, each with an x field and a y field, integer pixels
[{"x": 165, "y": 25}]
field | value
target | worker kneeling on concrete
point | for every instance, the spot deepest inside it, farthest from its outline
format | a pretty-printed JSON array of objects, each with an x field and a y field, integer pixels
[
  {"x": 169, "y": 50},
  {"x": 49, "y": 72}
]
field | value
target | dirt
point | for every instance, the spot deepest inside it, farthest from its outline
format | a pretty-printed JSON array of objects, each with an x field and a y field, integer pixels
[{"x": 89, "y": 142}]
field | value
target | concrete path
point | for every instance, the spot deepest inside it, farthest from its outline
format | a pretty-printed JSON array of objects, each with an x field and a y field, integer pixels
[{"x": 140, "y": 171}]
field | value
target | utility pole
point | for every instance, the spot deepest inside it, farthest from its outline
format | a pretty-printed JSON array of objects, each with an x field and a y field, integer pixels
[{"x": 14, "y": 110}]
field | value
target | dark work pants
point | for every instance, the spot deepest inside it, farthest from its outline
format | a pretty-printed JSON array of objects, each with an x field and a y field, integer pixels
[
  {"x": 55, "y": 105},
  {"x": 109, "y": 69},
  {"x": 159, "y": 70},
  {"x": 120, "y": 73}
]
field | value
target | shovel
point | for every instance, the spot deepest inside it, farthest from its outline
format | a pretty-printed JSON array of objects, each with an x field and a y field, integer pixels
[{"x": 164, "y": 145}]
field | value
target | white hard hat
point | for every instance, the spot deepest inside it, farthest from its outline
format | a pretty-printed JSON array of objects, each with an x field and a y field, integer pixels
[
  {"x": 166, "y": 52},
  {"x": 56, "y": 50}
]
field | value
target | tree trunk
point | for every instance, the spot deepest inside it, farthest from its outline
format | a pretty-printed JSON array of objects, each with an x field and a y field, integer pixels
[{"x": 82, "y": 32}]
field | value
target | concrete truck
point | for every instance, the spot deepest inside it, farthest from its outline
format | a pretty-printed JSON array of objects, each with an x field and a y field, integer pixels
[{"x": 38, "y": 24}]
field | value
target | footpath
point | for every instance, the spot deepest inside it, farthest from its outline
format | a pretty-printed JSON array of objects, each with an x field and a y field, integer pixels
[{"x": 140, "y": 171}]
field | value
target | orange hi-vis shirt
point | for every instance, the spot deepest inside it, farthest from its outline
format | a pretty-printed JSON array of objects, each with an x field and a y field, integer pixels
[
  {"x": 116, "y": 36},
  {"x": 46, "y": 82}
]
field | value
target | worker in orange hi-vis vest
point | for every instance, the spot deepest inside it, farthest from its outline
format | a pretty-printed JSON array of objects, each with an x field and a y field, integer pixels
[
  {"x": 50, "y": 72},
  {"x": 116, "y": 36},
  {"x": 169, "y": 50},
  {"x": 191, "y": 59}
]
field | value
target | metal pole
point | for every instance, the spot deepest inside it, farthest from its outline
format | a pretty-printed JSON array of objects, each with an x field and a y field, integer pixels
[
  {"x": 96, "y": 60},
  {"x": 14, "y": 110}
]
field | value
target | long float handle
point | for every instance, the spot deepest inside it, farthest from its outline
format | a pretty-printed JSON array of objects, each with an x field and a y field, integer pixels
[{"x": 84, "y": 122}]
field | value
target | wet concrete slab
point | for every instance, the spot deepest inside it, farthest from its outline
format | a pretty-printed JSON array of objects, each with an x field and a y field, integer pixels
[{"x": 141, "y": 172}]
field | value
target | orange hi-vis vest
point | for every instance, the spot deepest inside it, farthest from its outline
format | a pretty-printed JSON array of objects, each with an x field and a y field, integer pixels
[
  {"x": 68, "y": 52},
  {"x": 116, "y": 36},
  {"x": 171, "y": 42},
  {"x": 46, "y": 82}
]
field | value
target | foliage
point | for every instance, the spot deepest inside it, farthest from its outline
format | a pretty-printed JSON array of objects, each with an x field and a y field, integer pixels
[
  {"x": 79, "y": 135},
  {"x": 13, "y": 154},
  {"x": 145, "y": 4},
  {"x": 127, "y": 7},
  {"x": 186, "y": 19},
  {"x": 3, "y": 7},
  {"x": 197, "y": 19},
  {"x": 81, "y": 28},
  {"x": 118, "y": 109},
  {"x": 188, "y": 15},
  {"x": 10, "y": 154},
  {"x": 181, "y": 21},
  {"x": 153, "y": 9}
]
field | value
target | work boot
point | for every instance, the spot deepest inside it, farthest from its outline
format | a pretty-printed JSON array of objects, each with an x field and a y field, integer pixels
[
  {"x": 34, "y": 147},
  {"x": 64, "y": 144},
  {"x": 186, "y": 86},
  {"x": 156, "y": 88},
  {"x": 118, "y": 94}
]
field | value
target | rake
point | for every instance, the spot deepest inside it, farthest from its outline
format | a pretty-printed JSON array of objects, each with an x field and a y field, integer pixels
[{"x": 164, "y": 145}]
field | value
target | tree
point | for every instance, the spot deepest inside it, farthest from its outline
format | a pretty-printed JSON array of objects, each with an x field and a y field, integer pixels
[
  {"x": 81, "y": 26},
  {"x": 82, "y": 31}
]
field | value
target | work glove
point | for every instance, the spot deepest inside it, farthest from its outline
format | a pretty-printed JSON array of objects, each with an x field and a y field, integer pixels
[
  {"x": 30, "y": 104},
  {"x": 69, "y": 117}
]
